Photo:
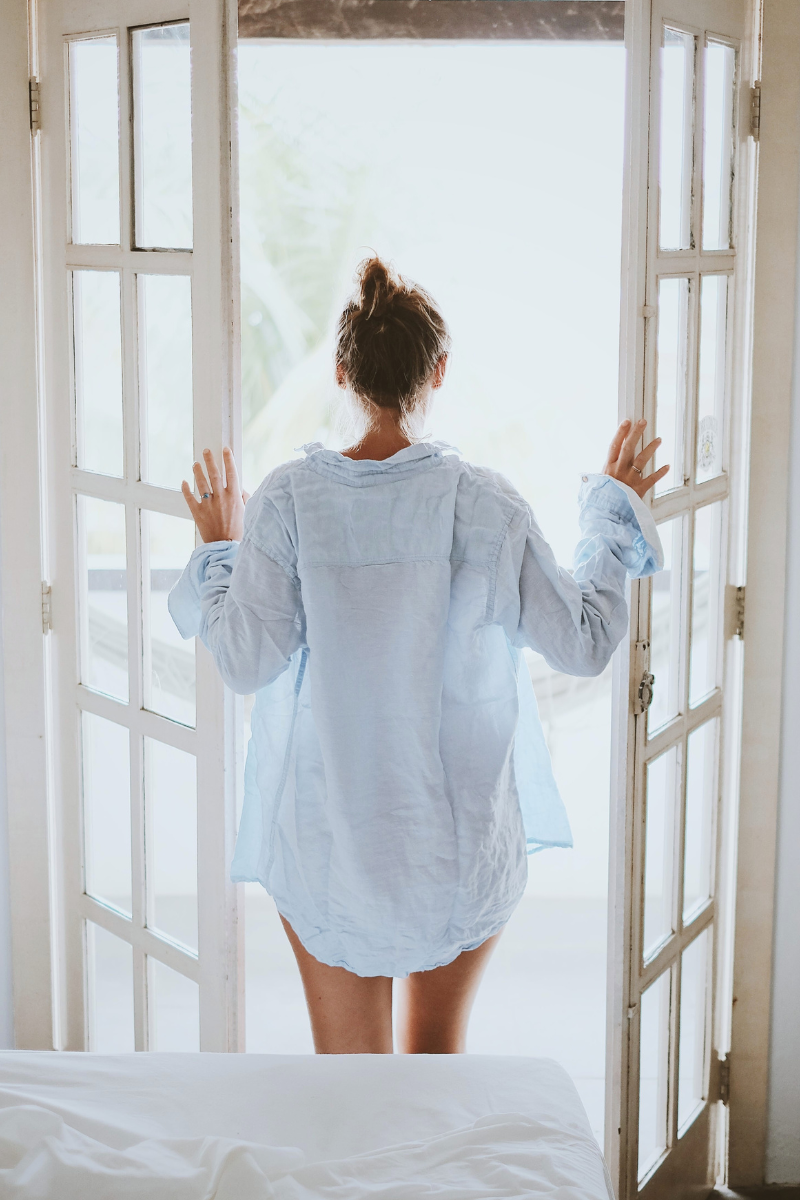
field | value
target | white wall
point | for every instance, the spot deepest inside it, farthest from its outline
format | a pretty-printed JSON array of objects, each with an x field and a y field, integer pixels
[
  {"x": 6, "y": 997},
  {"x": 783, "y": 1140}
]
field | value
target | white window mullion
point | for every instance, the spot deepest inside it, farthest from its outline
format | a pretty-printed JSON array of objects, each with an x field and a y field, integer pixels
[
  {"x": 157, "y": 262},
  {"x": 689, "y": 435},
  {"x": 673, "y": 504},
  {"x": 672, "y": 948},
  {"x": 130, "y": 382},
  {"x": 143, "y": 495},
  {"x": 673, "y": 1051},
  {"x": 143, "y": 939},
  {"x": 686, "y": 615},
  {"x": 126, "y": 149},
  {"x": 140, "y": 1006},
  {"x": 144, "y": 723}
]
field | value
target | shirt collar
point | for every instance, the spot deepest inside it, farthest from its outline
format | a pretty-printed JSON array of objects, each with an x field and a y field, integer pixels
[{"x": 419, "y": 456}]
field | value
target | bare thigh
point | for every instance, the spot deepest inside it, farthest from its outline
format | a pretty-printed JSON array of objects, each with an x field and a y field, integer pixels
[
  {"x": 349, "y": 1014},
  {"x": 435, "y": 1005}
]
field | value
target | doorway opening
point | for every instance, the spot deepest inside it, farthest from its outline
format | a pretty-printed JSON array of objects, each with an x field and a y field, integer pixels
[{"x": 491, "y": 172}]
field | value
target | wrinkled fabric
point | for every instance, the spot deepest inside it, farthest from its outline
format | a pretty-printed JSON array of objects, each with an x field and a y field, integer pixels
[
  {"x": 397, "y": 771},
  {"x": 504, "y": 1155},
  {"x": 282, "y": 1127}
]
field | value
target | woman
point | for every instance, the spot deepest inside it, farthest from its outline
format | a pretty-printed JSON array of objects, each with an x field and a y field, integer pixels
[{"x": 377, "y": 602}]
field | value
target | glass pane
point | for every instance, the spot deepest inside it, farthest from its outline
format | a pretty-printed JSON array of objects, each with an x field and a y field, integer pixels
[
  {"x": 110, "y": 991},
  {"x": 701, "y": 788},
  {"x": 711, "y": 375},
  {"x": 694, "y": 1007},
  {"x": 98, "y": 370},
  {"x": 653, "y": 1067},
  {"x": 107, "y": 811},
  {"x": 171, "y": 799},
  {"x": 174, "y": 1010},
  {"x": 659, "y": 835},
  {"x": 94, "y": 136},
  {"x": 163, "y": 136},
  {"x": 104, "y": 596},
  {"x": 673, "y": 328},
  {"x": 665, "y": 628},
  {"x": 677, "y": 114},
  {"x": 705, "y": 602},
  {"x": 165, "y": 378},
  {"x": 720, "y": 66},
  {"x": 169, "y": 661}
]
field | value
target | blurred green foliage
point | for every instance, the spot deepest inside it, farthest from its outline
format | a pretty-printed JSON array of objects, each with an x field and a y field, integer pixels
[{"x": 297, "y": 206}]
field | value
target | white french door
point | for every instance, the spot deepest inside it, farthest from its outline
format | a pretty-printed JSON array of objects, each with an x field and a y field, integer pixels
[
  {"x": 684, "y": 367},
  {"x": 139, "y": 312}
]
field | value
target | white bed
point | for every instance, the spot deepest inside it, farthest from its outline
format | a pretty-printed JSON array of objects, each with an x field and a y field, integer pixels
[{"x": 271, "y": 1127}]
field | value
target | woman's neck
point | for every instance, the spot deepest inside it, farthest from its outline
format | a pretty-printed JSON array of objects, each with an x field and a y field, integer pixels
[{"x": 383, "y": 439}]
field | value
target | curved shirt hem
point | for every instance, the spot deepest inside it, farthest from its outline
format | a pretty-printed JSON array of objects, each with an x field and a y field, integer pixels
[
  {"x": 533, "y": 845},
  {"x": 389, "y": 969}
]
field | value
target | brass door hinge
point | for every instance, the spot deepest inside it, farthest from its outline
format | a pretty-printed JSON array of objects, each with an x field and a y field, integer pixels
[
  {"x": 723, "y": 1079},
  {"x": 755, "y": 111},
  {"x": 34, "y": 101},
  {"x": 734, "y": 616},
  {"x": 47, "y": 607},
  {"x": 738, "y": 629}
]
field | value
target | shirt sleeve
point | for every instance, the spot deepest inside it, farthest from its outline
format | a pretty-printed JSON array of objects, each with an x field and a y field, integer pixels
[
  {"x": 576, "y": 620},
  {"x": 245, "y": 606}
]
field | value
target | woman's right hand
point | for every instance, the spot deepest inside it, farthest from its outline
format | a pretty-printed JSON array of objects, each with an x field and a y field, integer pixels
[
  {"x": 624, "y": 464},
  {"x": 219, "y": 513}
]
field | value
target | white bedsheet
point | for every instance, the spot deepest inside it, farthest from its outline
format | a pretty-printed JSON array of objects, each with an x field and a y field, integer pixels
[{"x": 270, "y": 1127}]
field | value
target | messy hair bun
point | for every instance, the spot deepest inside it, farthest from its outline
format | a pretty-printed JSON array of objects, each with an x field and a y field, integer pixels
[
  {"x": 389, "y": 339},
  {"x": 377, "y": 286}
]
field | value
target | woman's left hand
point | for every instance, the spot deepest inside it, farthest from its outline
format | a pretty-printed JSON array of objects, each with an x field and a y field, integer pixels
[
  {"x": 624, "y": 464},
  {"x": 219, "y": 514}
]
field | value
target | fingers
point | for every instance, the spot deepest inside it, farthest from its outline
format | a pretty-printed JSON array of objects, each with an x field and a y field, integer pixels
[
  {"x": 653, "y": 479},
  {"x": 200, "y": 478},
  {"x": 213, "y": 471},
  {"x": 645, "y": 455},
  {"x": 188, "y": 496},
  {"x": 629, "y": 445},
  {"x": 616, "y": 442},
  {"x": 231, "y": 474}
]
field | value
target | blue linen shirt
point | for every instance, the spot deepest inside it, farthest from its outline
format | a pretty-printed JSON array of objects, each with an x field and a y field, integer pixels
[{"x": 397, "y": 770}]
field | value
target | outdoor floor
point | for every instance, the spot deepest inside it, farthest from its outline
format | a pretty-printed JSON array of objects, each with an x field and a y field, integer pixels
[{"x": 543, "y": 994}]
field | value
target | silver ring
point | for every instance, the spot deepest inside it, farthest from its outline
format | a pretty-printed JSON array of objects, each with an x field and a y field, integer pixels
[
  {"x": 637, "y": 469},
  {"x": 207, "y": 495}
]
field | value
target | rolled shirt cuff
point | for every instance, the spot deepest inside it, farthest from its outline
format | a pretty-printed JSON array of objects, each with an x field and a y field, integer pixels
[
  {"x": 184, "y": 600},
  {"x": 616, "y": 498}
]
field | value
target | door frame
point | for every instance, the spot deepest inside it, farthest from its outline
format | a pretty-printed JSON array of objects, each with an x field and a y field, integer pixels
[
  {"x": 775, "y": 311},
  {"x": 28, "y": 787}
]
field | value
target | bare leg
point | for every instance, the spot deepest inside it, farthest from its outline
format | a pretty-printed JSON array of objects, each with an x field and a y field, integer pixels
[
  {"x": 435, "y": 1005},
  {"x": 349, "y": 1014}
]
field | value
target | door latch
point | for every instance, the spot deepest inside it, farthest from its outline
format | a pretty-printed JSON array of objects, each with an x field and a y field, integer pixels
[{"x": 645, "y": 693}]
